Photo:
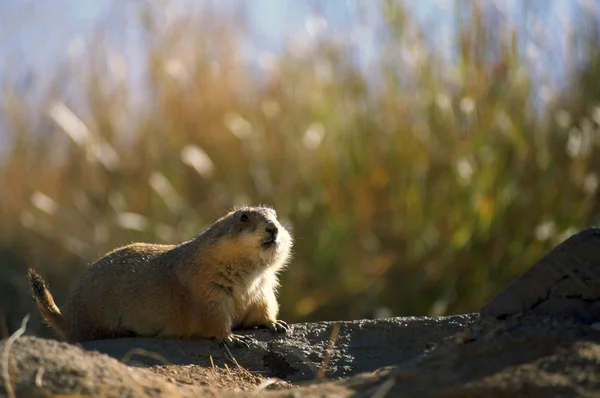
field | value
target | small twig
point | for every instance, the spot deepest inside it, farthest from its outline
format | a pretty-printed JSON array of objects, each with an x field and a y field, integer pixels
[
  {"x": 334, "y": 335},
  {"x": 140, "y": 351},
  {"x": 232, "y": 359},
  {"x": 38, "y": 377},
  {"x": 228, "y": 354},
  {"x": 5, "y": 356}
]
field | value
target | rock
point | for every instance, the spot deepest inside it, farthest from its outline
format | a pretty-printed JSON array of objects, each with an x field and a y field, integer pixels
[
  {"x": 565, "y": 283},
  {"x": 40, "y": 366},
  {"x": 360, "y": 346},
  {"x": 472, "y": 357},
  {"x": 527, "y": 356}
]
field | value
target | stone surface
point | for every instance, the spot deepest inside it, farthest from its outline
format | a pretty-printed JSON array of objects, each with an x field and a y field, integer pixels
[
  {"x": 520, "y": 357},
  {"x": 39, "y": 367},
  {"x": 360, "y": 346},
  {"x": 565, "y": 283},
  {"x": 526, "y": 356}
]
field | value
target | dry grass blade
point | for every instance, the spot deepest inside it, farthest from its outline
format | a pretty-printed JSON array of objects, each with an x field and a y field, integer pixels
[
  {"x": 39, "y": 374},
  {"x": 230, "y": 357},
  {"x": 6, "y": 356},
  {"x": 139, "y": 351},
  {"x": 332, "y": 339}
]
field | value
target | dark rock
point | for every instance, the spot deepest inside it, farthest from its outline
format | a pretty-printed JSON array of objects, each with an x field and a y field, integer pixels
[
  {"x": 519, "y": 357},
  {"x": 565, "y": 283},
  {"x": 40, "y": 367},
  {"x": 360, "y": 346},
  {"x": 526, "y": 356}
]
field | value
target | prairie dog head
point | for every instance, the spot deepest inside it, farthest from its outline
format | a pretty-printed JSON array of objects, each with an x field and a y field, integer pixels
[{"x": 252, "y": 237}]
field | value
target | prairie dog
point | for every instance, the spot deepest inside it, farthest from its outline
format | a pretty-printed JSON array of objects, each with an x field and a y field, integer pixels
[{"x": 224, "y": 279}]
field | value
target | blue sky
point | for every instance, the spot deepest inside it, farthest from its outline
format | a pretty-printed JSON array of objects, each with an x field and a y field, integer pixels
[{"x": 35, "y": 35}]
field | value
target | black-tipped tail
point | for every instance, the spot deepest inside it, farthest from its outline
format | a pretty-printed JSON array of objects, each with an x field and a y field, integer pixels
[{"x": 45, "y": 302}]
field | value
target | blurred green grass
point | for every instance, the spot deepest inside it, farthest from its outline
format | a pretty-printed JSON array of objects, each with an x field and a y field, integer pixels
[{"x": 422, "y": 186}]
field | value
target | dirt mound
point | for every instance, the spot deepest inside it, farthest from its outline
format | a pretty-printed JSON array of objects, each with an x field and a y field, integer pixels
[
  {"x": 40, "y": 367},
  {"x": 523, "y": 356},
  {"x": 153, "y": 367}
]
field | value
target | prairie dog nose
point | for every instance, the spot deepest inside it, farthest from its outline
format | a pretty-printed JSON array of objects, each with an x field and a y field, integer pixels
[{"x": 271, "y": 228}]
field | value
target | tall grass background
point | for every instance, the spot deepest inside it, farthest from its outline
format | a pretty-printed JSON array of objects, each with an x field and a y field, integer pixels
[{"x": 417, "y": 183}]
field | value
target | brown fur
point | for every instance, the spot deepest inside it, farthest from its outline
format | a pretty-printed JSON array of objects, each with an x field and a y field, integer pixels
[{"x": 222, "y": 280}]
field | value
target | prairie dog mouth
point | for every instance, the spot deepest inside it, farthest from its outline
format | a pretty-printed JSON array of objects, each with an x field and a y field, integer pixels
[{"x": 269, "y": 243}]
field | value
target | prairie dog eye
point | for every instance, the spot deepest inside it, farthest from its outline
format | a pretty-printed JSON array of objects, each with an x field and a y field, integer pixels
[{"x": 244, "y": 217}]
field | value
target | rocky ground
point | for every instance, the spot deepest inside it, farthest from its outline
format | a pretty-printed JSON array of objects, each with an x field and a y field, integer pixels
[{"x": 539, "y": 337}]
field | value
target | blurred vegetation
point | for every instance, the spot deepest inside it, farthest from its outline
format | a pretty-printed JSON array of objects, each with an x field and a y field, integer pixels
[{"x": 422, "y": 183}]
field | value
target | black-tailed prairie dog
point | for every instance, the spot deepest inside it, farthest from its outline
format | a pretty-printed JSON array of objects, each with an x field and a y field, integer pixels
[{"x": 222, "y": 280}]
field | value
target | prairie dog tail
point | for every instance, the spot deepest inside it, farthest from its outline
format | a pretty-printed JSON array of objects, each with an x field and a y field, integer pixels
[{"x": 45, "y": 302}]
